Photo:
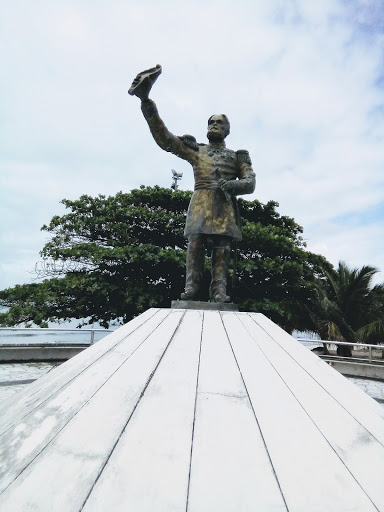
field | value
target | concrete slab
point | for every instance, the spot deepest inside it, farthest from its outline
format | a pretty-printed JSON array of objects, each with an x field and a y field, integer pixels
[
  {"x": 204, "y": 306},
  {"x": 15, "y": 354}
]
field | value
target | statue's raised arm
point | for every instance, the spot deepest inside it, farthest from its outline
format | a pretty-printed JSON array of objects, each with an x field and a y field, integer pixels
[
  {"x": 220, "y": 175},
  {"x": 141, "y": 87}
]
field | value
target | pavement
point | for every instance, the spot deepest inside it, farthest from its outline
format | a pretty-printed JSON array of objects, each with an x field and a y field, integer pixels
[
  {"x": 16, "y": 376},
  {"x": 373, "y": 388}
]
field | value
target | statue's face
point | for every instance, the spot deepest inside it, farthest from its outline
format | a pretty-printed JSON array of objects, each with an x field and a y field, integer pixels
[{"x": 217, "y": 128}]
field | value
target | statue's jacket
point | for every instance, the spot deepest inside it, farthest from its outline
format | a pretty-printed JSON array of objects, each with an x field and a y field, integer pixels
[{"x": 211, "y": 210}]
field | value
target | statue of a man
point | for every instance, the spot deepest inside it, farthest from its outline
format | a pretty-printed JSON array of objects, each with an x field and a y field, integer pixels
[{"x": 220, "y": 175}]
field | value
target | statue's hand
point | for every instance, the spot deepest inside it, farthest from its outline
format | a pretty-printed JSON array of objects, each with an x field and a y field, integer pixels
[
  {"x": 144, "y": 81},
  {"x": 224, "y": 185},
  {"x": 141, "y": 92}
]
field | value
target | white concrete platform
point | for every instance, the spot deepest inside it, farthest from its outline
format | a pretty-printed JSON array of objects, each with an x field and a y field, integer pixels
[{"x": 189, "y": 410}]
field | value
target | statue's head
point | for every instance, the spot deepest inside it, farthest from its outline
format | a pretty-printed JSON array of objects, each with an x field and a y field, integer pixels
[{"x": 218, "y": 127}]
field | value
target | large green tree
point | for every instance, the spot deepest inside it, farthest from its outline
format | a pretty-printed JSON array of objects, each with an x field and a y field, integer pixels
[{"x": 111, "y": 258}]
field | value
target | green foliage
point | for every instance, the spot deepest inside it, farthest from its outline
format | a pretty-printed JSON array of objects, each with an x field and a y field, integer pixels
[
  {"x": 275, "y": 272},
  {"x": 121, "y": 255},
  {"x": 346, "y": 307}
]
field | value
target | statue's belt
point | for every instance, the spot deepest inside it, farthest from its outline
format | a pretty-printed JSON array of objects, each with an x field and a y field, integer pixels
[{"x": 206, "y": 185}]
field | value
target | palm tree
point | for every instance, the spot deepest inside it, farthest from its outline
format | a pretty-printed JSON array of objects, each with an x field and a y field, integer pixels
[{"x": 348, "y": 306}]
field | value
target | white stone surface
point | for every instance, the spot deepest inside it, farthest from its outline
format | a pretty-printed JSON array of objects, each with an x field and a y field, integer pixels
[{"x": 183, "y": 410}]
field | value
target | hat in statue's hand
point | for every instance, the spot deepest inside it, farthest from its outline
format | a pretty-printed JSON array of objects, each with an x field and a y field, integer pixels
[{"x": 144, "y": 81}]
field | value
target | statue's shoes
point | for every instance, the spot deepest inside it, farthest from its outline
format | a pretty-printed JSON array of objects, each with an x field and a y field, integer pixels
[
  {"x": 144, "y": 81},
  {"x": 220, "y": 297}
]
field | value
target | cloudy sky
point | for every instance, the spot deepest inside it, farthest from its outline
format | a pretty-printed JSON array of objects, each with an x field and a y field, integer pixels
[{"x": 301, "y": 81}]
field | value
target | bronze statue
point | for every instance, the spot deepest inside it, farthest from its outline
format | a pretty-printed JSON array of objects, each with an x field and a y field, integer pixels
[{"x": 220, "y": 175}]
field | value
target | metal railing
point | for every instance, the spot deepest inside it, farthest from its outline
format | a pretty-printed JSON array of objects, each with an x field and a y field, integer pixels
[
  {"x": 26, "y": 331},
  {"x": 352, "y": 345}
]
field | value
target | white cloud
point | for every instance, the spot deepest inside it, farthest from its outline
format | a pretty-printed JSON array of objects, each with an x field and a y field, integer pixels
[{"x": 299, "y": 80}]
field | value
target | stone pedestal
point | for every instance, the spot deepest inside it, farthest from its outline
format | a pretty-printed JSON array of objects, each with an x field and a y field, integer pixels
[{"x": 207, "y": 306}]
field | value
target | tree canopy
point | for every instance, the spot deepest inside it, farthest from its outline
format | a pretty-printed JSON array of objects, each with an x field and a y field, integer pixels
[{"x": 111, "y": 258}]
